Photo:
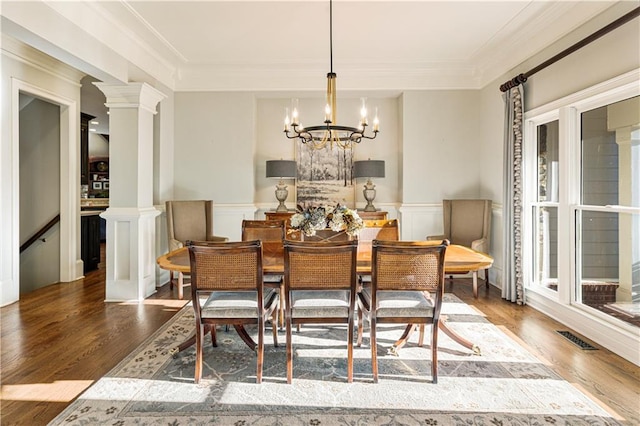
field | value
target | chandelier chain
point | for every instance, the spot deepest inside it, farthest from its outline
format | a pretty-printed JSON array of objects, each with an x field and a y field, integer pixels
[{"x": 318, "y": 136}]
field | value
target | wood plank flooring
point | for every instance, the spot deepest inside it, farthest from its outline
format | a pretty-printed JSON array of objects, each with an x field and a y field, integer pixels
[{"x": 57, "y": 340}]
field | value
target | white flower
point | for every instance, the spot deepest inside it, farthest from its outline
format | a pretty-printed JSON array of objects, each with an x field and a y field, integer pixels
[{"x": 338, "y": 218}]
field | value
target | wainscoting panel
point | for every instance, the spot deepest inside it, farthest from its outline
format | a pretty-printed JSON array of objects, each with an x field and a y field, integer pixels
[
  {"x": 497, "y": 245},
  {"x": 227, "y": 219},
  {"x": 417, "y": 221}
]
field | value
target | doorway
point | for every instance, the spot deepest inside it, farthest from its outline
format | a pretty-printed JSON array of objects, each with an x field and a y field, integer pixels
[{"x": 39, "y": 156}]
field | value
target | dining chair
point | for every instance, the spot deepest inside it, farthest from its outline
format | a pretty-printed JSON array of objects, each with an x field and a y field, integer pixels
[
  {"x": 188, "y": 220},
  {"x": 320, "y": 287},
  {"x": 407, "y": 286},
  {"x": 388, "y": 230},
  {"x": 229, "y": 275},
  {"x": 272, "y": 234}
]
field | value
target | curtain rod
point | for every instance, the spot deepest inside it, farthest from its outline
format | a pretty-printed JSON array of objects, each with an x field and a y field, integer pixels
[{"x": 521, "y": 78}]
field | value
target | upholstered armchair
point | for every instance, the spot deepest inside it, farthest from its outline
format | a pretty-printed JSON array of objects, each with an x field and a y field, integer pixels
[
  {"x": 189, "y": 220},
  {"x": 467, "y": 223}
]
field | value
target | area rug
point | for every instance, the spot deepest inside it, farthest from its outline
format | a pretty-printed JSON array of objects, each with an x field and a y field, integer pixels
[{"x": 505, "y": 385}]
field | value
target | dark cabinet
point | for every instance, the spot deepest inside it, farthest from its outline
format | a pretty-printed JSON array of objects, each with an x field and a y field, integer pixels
[
  {"x": 99, "y": 177},
  {"x": 90, "y": 251},
  {"x": 84, "y": 147}
]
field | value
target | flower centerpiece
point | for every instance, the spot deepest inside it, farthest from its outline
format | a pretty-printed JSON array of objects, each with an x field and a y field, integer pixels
[{"x": 314, "y": 218}]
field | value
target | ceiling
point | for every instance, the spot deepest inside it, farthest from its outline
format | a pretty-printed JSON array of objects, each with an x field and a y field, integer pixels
[
  {"x": 388, "y": 45},
  {"x": 384, "y": 46}
]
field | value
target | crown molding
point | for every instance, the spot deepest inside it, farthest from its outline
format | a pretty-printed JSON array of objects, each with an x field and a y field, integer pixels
[
  {"x": 26, "y": 54},
  {"x": 117, "y": 35},
  {"x": 240, "y": 78},
  {"x": 511, "y": 47}
]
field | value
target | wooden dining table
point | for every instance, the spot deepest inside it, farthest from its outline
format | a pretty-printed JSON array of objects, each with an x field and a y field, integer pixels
[{"x": 458, "y": 260}]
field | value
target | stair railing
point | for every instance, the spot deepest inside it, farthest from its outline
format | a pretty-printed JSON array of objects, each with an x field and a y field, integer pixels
[{"x": 40, "y": 233}]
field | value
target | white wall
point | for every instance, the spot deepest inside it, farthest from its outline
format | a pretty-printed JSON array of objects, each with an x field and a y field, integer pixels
[
  {"x": 214, "y": 146},
  {"x": 441, "y": 145}
]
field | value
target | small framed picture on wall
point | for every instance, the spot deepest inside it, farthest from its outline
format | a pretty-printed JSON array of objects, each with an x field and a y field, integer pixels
[
  {"x": 105, "y": 185},
  {"x": 97, "y": 186}
]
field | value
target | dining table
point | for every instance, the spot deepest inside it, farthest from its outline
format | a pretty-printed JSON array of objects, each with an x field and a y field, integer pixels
[{"x": 458, "y": 260}]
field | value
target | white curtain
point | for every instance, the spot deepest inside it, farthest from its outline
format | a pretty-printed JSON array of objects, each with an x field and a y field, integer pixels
[{"x": 512, "y": 284}]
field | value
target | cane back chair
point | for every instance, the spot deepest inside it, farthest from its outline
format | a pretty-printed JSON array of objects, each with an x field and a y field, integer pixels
[
  {"x": 407, "y": 286},
  {"x": 229, "y": 274},
  {"x": 320, "y": 287}
]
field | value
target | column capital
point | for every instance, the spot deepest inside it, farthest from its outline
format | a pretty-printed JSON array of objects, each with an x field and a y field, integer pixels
[{"x": 132, "y": 95}]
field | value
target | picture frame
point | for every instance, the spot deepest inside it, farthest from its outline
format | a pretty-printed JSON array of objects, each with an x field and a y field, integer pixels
[
  {"x": 105, "y": 185},
  {"x": 325, "y": 176},
  {"x": 96, "y": 186}
]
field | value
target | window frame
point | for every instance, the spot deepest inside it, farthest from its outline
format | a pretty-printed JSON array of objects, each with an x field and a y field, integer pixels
[{"x": 568, "y": 111}]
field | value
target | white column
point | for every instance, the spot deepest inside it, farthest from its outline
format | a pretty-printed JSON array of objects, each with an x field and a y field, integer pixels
[{"x": 131, "y": 214}]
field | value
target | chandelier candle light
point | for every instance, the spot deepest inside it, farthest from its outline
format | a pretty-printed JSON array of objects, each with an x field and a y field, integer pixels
[
  {"x": 281, "y": 169},
  {"x": 369, "y": 169},
  {"x": 329, "y": 132}
]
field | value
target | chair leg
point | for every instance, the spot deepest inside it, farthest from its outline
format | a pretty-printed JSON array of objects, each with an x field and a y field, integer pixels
[
  {"x": 214, "y": 340},
  {"x": 281, "y": 305},
  {"x": 170, "y": 280},
  {"x": 274, "y": 327},
  {"x": 260, "y": 350},
  {"x": 199, "y": 338},
  {"x": 360, "y": 328},
  {"x": 180, "y": 284},
  {"x": 289, "y": 350},
  {"x": 434, "y": 352},
  {"x": 474, "y": 277},
  {"x": 486, "y": 278},
  {"x": 350, "y": 350},
  {"x": 374, "y": 352},
  {"x": 421, "y": 337}
]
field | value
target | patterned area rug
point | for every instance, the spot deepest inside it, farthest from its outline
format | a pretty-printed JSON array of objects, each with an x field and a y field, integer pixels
[{"x": 506, "y": 385}]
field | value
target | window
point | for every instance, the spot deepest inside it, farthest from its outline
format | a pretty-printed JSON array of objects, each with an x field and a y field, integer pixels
[
  {"x": 608, "y": 230},
  {"x": 582, "y": 217},
  {"x": 545, "y": 207}
]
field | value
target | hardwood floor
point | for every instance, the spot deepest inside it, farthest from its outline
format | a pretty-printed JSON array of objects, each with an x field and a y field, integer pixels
[{"x": 58, "y": 340}]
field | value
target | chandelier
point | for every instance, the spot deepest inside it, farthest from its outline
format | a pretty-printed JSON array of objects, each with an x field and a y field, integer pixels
[{"x": 317, "y": 137}]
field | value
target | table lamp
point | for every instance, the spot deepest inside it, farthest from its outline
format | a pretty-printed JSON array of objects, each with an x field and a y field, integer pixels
[
  {"x": 369, "y": 169},
  {"x": 281, "y": 169}
]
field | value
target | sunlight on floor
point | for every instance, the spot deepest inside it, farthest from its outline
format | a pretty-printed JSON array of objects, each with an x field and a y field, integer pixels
[
  {"x": 58, "y": 391},
  {"x": 157, "y": 391},
  {"x": 169, "y": 303}
]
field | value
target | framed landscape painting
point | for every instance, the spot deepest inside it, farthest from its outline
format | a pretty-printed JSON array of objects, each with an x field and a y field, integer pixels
[{"x": 325, "y": 176}]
